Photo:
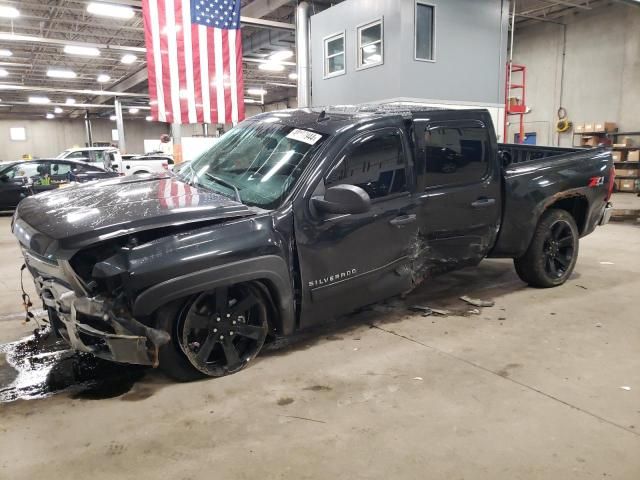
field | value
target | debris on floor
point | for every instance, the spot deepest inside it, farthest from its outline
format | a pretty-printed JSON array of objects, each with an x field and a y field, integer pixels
[
  {"x": 474, "y": 311},
  {"x": 607, "y": 263},
  {"x": 476, "y": 302},
  {"x": 426, "y": 311},
  {"x": 598, "y": 325},
  {"x": 417, "y": 378},
  {"x": 624, "y": 387}
]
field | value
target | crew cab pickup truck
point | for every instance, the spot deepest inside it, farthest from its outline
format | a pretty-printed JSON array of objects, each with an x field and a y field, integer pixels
[{"x": 294, "y": 218}]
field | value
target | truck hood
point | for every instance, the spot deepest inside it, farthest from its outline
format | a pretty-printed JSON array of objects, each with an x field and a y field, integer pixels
[{"x": 75, "y": 217}]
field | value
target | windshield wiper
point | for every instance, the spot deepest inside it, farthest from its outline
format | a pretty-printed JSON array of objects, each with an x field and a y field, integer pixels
[{"x": 226, "y": 184}]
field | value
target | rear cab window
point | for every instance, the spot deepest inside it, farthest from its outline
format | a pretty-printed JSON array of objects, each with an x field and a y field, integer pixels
[{"x": 454, "y": 153}]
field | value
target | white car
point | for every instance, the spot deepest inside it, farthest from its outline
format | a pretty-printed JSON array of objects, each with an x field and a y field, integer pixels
[{"x": 111, "y": 159}]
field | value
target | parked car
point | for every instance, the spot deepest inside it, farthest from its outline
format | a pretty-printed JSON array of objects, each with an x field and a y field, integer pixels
[
  {"x": 111, "y": 159},
  {"x": 288, "y": 222},
  {"x": 23, "y": 178}
]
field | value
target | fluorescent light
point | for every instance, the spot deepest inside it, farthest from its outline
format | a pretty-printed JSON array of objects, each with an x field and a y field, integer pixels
[
  {"x": 281, "y": 55},
  {"x": 5, "y": 53},
  {"x": 133, "y": 110},
  {"x": 3, "y": 72},
  {"x": 293, "y": 76},
  {"x": 128, "y": 58},
  {"x": 9, "y": 12},
  {"x": 50, "y": 116},
  {"x": 271, "y": 67},
  {"x": 57, "y": 110},
  {"x": 256, "y": 91},
  {"x": 110, "y": 10},
  {"x": 39, "y": 100},
  {"x": 53, "y": 73},
  {"x": 70, "y": 101},
  {"x": 84, "y": 51},
  {"x": 250, "y": 100},
  {"x": 103, "y": 78},
  {"x": 113, "y": 118},
  {"x": 149, "y": 118}
]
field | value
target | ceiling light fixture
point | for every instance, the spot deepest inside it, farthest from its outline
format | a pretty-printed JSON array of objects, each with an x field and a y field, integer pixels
[
  {"x": 84, "y": 51},
  {"x": 70, "y": 101},
  {"x": 110, "y": 10},
  {"x": 113, "y": 118},
  {"x": 256, "y": 91},
  {"x": 128, "y": 58},
  {"x": 133, "y": 110},
  {"x": 3, "y": 72},
  {"x": 250, "y": 100},
  {"x": 280, "y": 55},
  {"x": 271, "y": 67},
  {"x": 57, "y": 110},
  {"x": 149, "y": 118},
  {"x": 5, "y": 53},
  {"x": 50, "y": 116},
  {"x": 9, "y": 12},
  {"x": 103, "y": 78},
  {"x": 53, "y": 73},
  {"x": 39, "y": 100},
  {"x": 293, "y": 76}
]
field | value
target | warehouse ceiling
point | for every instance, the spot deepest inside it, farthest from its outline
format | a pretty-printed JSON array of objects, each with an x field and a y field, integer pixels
[
  {"x": 34, "y": 43},
  {"x": 532, "y": 11}
]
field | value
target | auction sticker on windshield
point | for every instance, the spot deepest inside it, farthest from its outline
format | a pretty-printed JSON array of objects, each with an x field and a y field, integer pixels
[{"x": 304, "y": 136}]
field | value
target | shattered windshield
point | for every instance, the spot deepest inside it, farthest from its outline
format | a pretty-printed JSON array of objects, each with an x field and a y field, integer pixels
[{"x": 257, "y": 163}]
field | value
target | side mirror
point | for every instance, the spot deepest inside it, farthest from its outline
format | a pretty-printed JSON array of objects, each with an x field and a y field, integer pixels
[
  {"x": 343, "y": 199},
  {"x": 5, "y": 178}
]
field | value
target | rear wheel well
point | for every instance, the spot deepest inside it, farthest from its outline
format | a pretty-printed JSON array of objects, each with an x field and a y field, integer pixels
[{"x": 577, "y": 207}]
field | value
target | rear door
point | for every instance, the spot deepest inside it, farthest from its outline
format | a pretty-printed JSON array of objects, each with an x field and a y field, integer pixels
[{"x": 458, "y": 190}]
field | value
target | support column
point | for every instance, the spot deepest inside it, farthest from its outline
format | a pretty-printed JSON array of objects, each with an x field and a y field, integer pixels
[
  {"x": 302, "y": 55},
  {"x": 88, "y": 130},
  {"x": 176, "y": 134},
  {"x": 122, "y": 145}
]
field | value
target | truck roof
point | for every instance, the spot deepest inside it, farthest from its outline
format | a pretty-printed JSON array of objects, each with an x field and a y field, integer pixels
[{"x": 336, "y": 117}]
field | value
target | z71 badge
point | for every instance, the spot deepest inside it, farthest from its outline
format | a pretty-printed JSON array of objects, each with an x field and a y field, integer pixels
[{"x": 336, "y": 277}]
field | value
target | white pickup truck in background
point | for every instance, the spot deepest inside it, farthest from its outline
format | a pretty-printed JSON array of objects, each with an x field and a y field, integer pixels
[{"x": 111, "y": 159}]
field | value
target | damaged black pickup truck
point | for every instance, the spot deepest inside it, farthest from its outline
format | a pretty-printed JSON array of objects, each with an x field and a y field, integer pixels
[{"x": 294, "y": 218}]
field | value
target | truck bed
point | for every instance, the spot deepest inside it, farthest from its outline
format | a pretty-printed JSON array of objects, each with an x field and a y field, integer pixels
[{"x": 536, "y": 178}]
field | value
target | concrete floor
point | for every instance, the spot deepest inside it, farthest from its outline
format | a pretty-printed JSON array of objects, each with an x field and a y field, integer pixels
[{"x": 527, "y": 389}]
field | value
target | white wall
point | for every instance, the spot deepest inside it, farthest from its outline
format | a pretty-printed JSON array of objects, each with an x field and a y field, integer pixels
[
  {"x": 47, "y": 138},
  {"x": 602, "y": 71}
]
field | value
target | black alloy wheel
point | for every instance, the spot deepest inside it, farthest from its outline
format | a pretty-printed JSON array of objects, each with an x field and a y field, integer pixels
[
  {"x": 558, "y": 249},
  {"x": 224, "y": 329},
  {"x": 553, "y": 251}
]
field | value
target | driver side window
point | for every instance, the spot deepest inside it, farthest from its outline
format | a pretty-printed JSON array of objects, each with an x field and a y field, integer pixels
[{"x": 376, "y": 163}]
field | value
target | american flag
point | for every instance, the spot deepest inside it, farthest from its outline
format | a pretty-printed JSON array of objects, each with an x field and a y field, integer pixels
[{"x": 194, "y": 60}]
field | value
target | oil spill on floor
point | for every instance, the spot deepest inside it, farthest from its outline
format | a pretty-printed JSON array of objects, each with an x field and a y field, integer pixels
[{"x": 40, "y": 366}]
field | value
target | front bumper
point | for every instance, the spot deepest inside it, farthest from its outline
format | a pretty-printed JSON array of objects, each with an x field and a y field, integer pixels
[{"x": 606, "y": 214}]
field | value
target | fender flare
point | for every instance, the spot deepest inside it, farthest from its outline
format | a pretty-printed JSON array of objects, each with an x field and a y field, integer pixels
[{"x": 269, "y": 268}]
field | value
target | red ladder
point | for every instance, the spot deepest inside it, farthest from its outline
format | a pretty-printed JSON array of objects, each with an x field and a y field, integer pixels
[{"x": 515, "y": 104}]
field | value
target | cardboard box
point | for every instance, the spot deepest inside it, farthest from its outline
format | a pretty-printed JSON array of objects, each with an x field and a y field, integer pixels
[
  {"x": 626, "y": 172},
  {"x": 589, "y": 128},
  {"x": 633, "y": 156},
  {"x": 627, "y": 185},
  {"x": 592, "y": 141},
  {"x": 618, "y": 156},
  {"x": 578, "y": 127},
  {"x": 602, "y": 127}
]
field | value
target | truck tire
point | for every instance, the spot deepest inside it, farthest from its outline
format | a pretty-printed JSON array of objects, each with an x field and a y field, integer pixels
[
  {"x": 553, "y": 252},
  {"x": 214, "y": 333}
]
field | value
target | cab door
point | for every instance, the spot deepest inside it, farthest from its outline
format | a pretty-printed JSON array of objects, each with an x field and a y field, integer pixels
[
  {"x": 458, "y": 190},
  {"x": 351, "y": 260}
]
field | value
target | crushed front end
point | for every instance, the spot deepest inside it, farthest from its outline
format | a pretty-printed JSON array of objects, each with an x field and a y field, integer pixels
[{"x": 88, "y": 319}]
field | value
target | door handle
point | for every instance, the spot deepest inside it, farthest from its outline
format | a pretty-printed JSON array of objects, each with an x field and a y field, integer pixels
[
  {"x": 403, "y": 220},
  {"x": 483, "y": 202}
]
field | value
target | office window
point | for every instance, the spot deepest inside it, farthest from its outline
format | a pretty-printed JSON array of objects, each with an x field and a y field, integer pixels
[
  {"x": 370, "y": 45},
  {"x": 456, "y": 153},
  {"x": 334, "y": 57},
  {"x": 18, "y": 134},
  {"x": 374, "y": 163},
  {"x": 425, "y": 28}
]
